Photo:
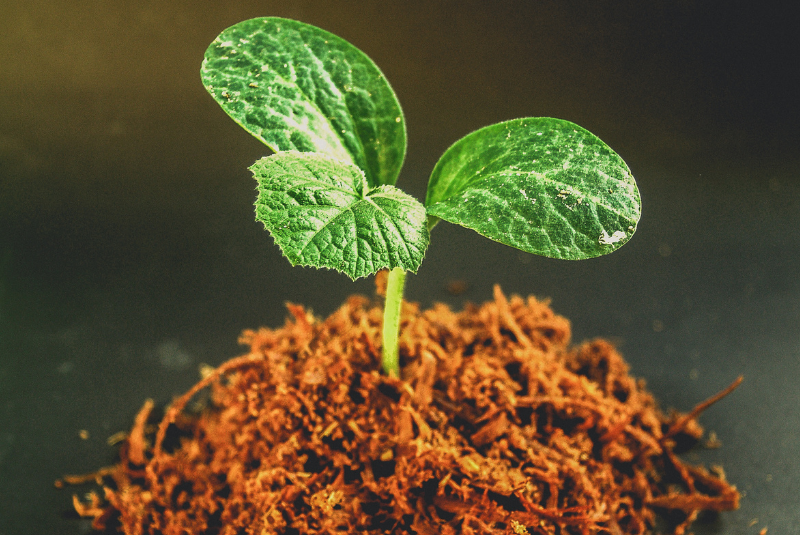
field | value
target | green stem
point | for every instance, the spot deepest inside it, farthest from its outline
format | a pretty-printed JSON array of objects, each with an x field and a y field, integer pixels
[{"x": 391, "y": 321}]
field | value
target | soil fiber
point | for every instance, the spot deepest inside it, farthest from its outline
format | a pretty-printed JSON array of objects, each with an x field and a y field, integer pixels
[{"x": 497, "y": 426}]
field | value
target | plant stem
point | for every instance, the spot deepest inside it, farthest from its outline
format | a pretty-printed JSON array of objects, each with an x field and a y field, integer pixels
[{"x": 391, "y": 321}]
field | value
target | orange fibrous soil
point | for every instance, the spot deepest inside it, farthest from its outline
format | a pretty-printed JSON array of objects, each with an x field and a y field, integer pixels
[{"x": 497, "y": 425}]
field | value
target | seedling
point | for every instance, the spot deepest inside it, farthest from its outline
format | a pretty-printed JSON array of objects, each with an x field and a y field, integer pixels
[{"x": 327, "y": 196}]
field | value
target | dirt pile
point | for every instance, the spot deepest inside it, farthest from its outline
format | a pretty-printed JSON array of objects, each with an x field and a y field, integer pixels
[{"x": 498, "y": 426}]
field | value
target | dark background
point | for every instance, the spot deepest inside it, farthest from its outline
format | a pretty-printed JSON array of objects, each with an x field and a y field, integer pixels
[{"x": 129, "y": 253}]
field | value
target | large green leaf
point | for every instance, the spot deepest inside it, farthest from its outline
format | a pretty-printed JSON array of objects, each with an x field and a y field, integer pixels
[
  {"x": 321, "y": 213},
  {"x": 297, "y": 87},
  {"x": 543, "y": 185}
]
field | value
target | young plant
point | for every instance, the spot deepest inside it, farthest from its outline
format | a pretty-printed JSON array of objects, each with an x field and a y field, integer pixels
[{"x": 327, "y": 196}]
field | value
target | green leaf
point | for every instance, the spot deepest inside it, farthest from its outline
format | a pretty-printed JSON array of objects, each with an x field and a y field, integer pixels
[
  {"x": 321, "y": 213},
  {"x": 297, "y": 87},
  {"x": 545, "y": 186}
]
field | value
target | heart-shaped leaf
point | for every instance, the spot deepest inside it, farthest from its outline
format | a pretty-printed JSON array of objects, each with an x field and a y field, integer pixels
[
  {"x": 543, "y": 185},
  {"x": 321, "y": 213},
  {"x": 297, "y": 87}
]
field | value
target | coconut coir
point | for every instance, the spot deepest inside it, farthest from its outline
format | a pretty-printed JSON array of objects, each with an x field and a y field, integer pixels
[{"x": 497, "y": 426}]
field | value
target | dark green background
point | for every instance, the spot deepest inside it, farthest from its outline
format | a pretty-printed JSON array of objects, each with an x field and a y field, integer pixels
[{"x": 129, "y": 253}]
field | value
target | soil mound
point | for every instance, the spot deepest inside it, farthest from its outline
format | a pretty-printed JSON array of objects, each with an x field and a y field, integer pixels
[{"x": 497, "y": 426}]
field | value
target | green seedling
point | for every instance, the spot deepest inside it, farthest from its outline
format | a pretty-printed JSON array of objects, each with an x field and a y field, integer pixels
[{"x": 327, "y": 196}]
